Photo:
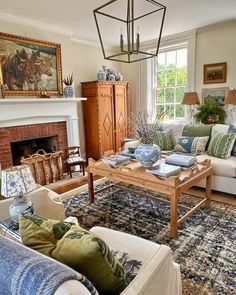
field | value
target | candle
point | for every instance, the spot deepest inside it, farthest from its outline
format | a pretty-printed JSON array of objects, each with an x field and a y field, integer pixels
[{"x": 121, "y": 42}]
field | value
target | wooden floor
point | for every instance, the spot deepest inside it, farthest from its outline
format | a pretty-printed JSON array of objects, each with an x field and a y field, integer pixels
[{"x": 77, "y": 181}]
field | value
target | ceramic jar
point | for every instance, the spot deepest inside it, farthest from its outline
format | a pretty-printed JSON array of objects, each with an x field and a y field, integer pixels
[
  {"x": 69, "y": 91},
  {"x": 20, "y": 205},
  {"x": 147, "y": 154},
  {"x": 101, "y": 75},
  {"x": 118, "y": 76},
  {"x": 111, "y": 77}
]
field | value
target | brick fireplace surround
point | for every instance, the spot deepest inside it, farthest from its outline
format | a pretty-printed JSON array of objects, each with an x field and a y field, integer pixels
[
  {"x": 27, "y": 118},
  {"x": 17, "y": 133}
]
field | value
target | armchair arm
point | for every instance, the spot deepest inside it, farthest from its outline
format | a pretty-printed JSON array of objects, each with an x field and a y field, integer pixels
[{"x": 42, "y": 202}]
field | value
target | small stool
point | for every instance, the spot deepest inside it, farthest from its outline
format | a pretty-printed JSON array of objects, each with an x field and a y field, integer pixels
[{"x": 73, "y": 158}]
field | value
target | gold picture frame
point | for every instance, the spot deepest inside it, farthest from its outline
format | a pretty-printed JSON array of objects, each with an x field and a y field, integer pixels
[
  {"x": 30, "y": 66},
  {"x": 215, "y": 73}
]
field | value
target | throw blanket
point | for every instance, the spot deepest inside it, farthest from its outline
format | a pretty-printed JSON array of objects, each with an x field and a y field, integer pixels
[{"x": 25, "y": 272}]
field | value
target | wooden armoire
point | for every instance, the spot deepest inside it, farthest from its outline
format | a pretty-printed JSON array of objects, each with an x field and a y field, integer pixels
[{"x": 105, "y": 115}]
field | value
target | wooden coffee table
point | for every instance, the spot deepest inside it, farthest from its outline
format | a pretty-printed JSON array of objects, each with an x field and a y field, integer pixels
[{"x": 135, "y": 174}]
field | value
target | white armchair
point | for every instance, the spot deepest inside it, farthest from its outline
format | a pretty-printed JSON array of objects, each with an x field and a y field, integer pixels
[
  {"x": 46, "y": 203},
  {"x": 158, "y": 275}
]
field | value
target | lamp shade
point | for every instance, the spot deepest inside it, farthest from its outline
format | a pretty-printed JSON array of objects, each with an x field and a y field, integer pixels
[
  {"x": 230, "y": 97},
  {"x": 17, "y": 181},
  {"x": 190, "y": 98}
]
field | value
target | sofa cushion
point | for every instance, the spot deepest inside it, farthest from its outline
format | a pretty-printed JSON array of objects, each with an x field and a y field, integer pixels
[
  {"x": 197, "y": 130},
  {"x": 232, "y": 129},
  {"x": 81, "y": 250},
  {"x": 223, "y": 128},
  {"x": 221, "y": 167},
  {"x": 165, "y": 140},
  {"x": 190, "y": 144},
  {"x": 221, "y": 145},
  {"x": 42, "y": 234}
]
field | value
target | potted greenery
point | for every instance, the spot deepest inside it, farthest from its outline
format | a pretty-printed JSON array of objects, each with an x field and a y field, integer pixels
[
  {"x": 68, "y": 89},
  {"x": 210, "y": 112}
]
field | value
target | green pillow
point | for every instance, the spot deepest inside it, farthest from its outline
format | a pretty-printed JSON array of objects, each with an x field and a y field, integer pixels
[
  {"x": 42, "y": 234},
  {"x": 80, "y": 249},
  {"x": 165, "y": 140},
  {"x": 221, "y": 145},
  {"x": 197, "y": 130}
]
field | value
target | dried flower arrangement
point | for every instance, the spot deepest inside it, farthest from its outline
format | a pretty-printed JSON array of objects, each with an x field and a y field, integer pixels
[
  {"x": 142, "y": 127},
  {"x": 68, "y": 80}
]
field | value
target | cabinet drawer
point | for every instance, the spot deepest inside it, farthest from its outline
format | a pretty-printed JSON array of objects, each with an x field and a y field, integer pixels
[{"x": 89, "y": 91}]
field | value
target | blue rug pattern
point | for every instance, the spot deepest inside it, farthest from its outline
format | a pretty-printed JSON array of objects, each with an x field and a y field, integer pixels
[{"x": 206, "y": 243}]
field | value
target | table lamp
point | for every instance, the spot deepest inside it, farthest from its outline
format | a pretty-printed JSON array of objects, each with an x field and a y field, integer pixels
[
  {"x": 17, "y": 182},
  {"x": 191, "y": 99},
  {"x": 230, "y": 99}
]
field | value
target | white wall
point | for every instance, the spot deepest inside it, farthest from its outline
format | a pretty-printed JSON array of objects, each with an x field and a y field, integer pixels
[
  {"x": 83, "y": 60},
  {"x": 216, "y": 44},
  {"x": 213, "y": 44}
]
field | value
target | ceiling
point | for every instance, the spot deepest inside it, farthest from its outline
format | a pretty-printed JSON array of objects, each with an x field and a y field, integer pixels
[{"x": 75, "y": 17}]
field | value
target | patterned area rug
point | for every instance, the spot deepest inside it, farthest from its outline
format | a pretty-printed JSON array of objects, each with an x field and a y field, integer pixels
[{"x": 205, "y": 247}]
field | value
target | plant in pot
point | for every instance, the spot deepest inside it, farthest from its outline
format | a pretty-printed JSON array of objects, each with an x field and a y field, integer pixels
[
  {"x": 144, "y": 129},
  {"x": 68, "y": 89},
  {"x": 210, "y": 113}
]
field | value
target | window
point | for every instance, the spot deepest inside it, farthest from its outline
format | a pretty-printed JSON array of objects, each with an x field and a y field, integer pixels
[{"x": 169, "y": 82}]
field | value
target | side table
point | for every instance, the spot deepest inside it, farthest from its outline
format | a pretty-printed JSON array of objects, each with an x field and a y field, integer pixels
[{"x": 8, "y": 229}]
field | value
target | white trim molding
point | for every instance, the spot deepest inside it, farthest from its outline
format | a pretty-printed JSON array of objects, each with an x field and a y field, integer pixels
[
  {"x": 171, "y": 42},
  {"x": 27, "y": 111}
]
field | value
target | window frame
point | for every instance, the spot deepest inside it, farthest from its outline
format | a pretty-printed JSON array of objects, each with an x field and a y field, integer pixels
[
  {"x": 154, "y": 85},
  {"x": 147, "y": 99}
]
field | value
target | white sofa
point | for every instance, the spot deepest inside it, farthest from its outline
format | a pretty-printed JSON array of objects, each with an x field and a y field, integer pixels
[
  {"x": 224, "y": 171},
  {"x": 158, "y": 275}
]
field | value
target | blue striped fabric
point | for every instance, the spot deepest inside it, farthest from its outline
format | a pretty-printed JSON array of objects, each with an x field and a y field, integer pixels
[{"x": 25, "y": 272}]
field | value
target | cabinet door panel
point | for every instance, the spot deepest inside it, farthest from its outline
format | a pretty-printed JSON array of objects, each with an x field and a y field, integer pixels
[
  {"x": 91, "y": 128},
  {"x": 106, "y": 122},
  {"x": 120, "y": 115}
]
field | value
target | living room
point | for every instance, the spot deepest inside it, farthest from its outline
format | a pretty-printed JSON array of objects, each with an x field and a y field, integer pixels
[{"x": 205, "y": 34}]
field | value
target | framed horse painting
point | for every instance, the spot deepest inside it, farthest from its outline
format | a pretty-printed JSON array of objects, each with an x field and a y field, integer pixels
[{"x": 29, "y": 67}]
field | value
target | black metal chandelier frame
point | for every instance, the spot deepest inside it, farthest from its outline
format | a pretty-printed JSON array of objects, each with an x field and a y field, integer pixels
[{"x": 133, "y": 45}]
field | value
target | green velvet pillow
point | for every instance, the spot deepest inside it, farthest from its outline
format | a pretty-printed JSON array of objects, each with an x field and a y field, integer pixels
[
  {"x": 80, "y": 249},
  {"x": 165, "y": 140},
  {"x": 221, "y": 145},
  {"x": 197, "y": 130}
]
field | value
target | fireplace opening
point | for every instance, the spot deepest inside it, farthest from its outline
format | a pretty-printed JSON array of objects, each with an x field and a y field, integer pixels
[{"x": 25, "y": 148}]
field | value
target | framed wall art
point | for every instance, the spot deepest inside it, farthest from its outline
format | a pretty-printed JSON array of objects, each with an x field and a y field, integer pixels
[
  {"x": 30, "y": 66},
  {"x": 215, "y": 73},
  {"x": 217, "y": 94}
]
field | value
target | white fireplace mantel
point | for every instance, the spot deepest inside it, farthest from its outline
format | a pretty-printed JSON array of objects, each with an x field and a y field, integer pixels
[{"x": 27, "y": 111}]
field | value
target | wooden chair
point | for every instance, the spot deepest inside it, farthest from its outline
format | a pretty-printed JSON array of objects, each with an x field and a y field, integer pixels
[{"x": 72, "y": 156}]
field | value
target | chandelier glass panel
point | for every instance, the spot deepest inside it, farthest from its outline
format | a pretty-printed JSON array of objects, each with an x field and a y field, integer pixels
[{"x": 130, "y": 23}]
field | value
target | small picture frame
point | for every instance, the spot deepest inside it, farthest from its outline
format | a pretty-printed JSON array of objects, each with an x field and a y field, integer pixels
[
  {"x": 217, "y": 94},
  {"x": 215, "y": 73}
]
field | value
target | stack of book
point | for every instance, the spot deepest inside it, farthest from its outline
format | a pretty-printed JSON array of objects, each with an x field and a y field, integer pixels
[
  {"x": 116, "y": 160},
  {"x": 184, "y": 161},
  {"x": 165, "y": 171}
]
